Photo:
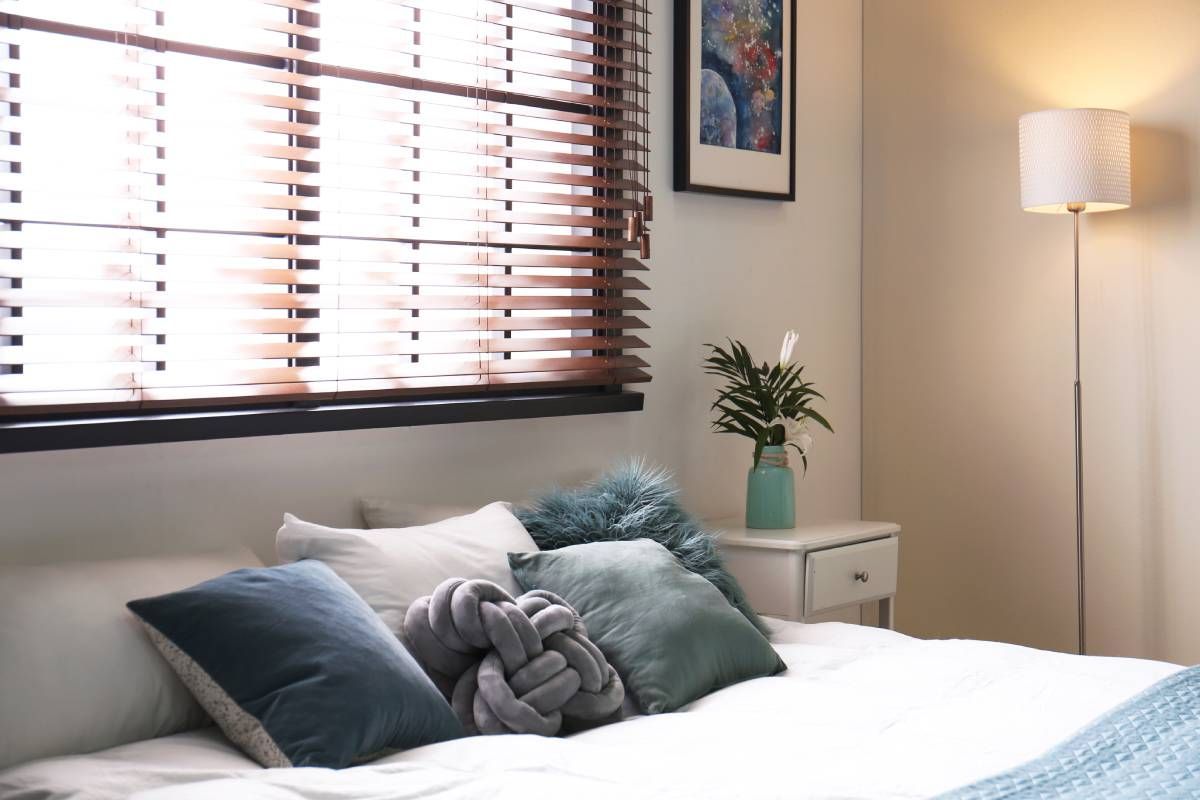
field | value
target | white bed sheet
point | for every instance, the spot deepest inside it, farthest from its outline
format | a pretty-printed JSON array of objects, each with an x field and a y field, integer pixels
[{"x": 860, "y": 712}]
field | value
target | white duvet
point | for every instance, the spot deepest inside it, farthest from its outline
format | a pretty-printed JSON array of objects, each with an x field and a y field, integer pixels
[{"x": 860, "y": 712}]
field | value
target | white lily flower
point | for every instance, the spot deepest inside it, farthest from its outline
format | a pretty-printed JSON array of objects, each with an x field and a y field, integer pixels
[
  {"x": 795, "y": 431},
  {"x": 785, "y": 351}
]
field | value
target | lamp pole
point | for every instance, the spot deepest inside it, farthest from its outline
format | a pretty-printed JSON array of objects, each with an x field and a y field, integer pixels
[{"x": 1076, "y": 209}]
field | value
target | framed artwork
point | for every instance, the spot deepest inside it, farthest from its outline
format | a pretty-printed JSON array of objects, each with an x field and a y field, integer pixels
[{"x": 735, "y": 97}]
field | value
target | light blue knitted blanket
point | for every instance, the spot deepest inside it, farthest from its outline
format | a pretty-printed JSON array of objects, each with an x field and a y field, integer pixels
[{"x": 1148, "y": 747}]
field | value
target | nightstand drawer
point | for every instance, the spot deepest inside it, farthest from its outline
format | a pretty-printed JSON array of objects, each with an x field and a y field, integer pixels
[{"x": 856, "y": 573}]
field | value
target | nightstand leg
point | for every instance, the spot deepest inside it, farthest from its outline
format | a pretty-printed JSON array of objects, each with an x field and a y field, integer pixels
[{"x": 887, "y": 611}]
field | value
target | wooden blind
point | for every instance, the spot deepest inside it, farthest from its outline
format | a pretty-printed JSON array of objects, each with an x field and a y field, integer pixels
[{"x": 230, "y": 201}]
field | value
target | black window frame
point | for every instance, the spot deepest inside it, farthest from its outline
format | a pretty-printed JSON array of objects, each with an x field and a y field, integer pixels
[{"x": 66, "y": 431}]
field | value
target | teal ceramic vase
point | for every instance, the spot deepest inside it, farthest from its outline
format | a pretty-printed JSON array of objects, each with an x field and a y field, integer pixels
[{"x": 771, "y": 491}]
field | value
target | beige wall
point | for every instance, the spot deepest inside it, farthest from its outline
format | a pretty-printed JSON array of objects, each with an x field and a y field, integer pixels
[
  {"x": 967, "y": 323},
  {"x": 721, "y": 266}
]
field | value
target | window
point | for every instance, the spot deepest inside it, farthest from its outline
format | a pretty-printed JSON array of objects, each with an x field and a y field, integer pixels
[{"x": 293, "y": 202}]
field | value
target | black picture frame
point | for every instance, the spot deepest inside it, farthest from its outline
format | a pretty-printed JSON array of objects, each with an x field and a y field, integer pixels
[{"x": 683, "y": 136}]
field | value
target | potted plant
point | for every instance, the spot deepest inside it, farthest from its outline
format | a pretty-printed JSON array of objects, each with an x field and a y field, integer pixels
[{"x": 771, "y": 405}]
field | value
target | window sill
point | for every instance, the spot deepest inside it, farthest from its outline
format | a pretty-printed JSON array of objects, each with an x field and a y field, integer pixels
[{"x": 70, "y": 433}]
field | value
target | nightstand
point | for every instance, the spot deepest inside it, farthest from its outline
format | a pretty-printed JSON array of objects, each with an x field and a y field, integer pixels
[{"x": 798, "y": 573}]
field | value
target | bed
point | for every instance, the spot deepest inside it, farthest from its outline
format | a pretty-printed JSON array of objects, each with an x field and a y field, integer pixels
[{"x": 860, "y": 712}]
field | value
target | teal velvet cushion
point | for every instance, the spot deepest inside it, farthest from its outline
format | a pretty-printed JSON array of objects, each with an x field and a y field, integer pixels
[
  {"x": 296, "y": 668},
  {"x": 671, "y": 634}
]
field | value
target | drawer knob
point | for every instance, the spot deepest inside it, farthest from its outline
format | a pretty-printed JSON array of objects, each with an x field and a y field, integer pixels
[{"x": 862, "y": 576}]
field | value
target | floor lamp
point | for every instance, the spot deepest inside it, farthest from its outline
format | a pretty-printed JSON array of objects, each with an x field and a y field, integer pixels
[{"x": 1075, "y": 161}]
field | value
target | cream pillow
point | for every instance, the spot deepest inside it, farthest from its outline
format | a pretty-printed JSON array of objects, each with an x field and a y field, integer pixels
[
  {"x": 392, "y": 567},
  {"x": 77, "y": 672},
  {"x": 384, "y": 513}
]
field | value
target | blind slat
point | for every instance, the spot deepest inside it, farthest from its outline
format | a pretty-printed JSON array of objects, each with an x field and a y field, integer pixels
[
  {"x": 117, "y": 240},
  {"x": 144, "y": 296},
  {"x": 119, "y": 376},
  {"x": 361, "y": 345},
  {"x": 135, "y": 323}
]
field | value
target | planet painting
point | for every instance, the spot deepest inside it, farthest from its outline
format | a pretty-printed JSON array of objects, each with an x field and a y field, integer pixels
[
  {"x": 718, "y": 112},
  {"x": 741, "y": 80}
]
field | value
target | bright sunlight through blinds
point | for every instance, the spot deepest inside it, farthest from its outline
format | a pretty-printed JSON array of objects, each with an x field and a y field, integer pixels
[{"x": 259, "y": 201}]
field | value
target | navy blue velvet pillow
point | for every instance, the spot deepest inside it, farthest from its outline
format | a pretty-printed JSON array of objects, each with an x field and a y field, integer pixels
[{"x": 296, "y": 668}]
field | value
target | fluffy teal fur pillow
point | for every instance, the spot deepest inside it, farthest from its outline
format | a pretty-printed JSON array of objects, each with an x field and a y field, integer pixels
[{"x": 632, "y": 501}]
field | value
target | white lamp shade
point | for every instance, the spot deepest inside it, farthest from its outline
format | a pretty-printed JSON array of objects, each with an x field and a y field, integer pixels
[{"x": 1074, "y": 155}]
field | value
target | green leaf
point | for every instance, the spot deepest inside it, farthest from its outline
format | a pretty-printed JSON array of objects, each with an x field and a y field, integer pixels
[
  {"x": 759, "y": 442},
  {"x": 820, "y": 420},
  {"x": 746, "y": 404},
  {"x": 765, "y": 400},
  {"x": 725, "y": 427},
  {"x": 740, "y": 418},
  {"x": 788, "y": 378}
]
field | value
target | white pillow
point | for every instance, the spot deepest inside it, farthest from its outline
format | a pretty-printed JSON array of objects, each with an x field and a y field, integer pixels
[
  {"x": 391, "y": 567},
  {"x": 381, "y": 513},
  {"x": 77, "y": 672}
]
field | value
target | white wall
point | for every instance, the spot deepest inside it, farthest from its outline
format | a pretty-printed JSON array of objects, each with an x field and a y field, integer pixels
[
  {"x": 967, "y": 323},
  {"x": 721, "y": 266}
]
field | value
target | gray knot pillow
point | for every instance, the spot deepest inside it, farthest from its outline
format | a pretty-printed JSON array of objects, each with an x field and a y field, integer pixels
[{"x": 507, "y": 665}]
